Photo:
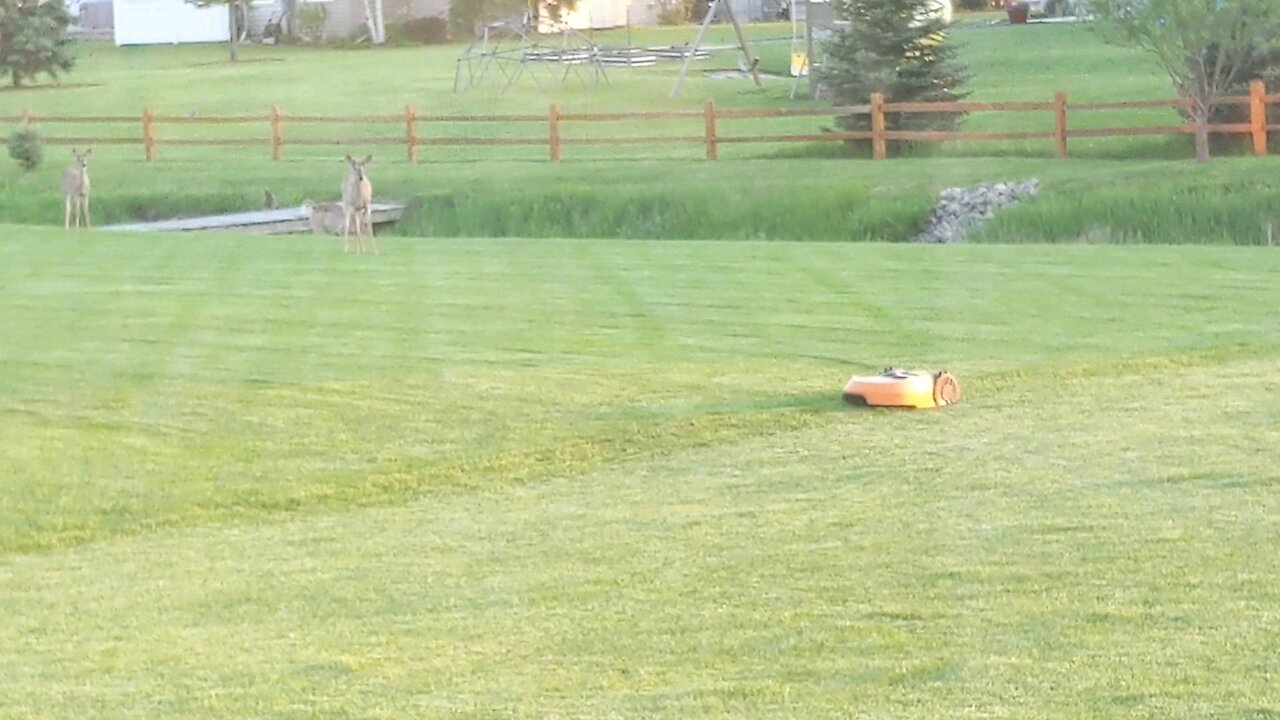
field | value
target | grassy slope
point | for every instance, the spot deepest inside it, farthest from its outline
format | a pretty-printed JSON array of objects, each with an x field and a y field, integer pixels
[
  {"x": 1093, "y": 197},
  {"x": 712, "y": 534}
]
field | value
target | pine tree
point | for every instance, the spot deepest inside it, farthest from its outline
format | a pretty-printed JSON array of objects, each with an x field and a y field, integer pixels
[
  {"x": 34, "y": 39},
  {"x": 898, "y": 48}
]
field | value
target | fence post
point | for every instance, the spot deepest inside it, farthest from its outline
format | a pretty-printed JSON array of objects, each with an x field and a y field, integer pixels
[
  {"x": 411, "y": 132},
  {"x": 149, "y": 134},
  {"x": 1060, "y": 124},
  {"x": 1258, "y": 116},
  {"x": 709, "y": 115},
  {"x": 879, "y": 148},
  {"x": 277, "y": 137},
  {"x": 553, "y": 132}
]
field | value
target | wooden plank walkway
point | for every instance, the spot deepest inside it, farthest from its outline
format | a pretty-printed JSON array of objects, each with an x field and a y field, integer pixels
[{"x": 259, "y": 222}]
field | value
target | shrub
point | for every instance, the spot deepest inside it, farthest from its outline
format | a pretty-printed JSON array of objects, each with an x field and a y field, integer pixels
[
  {"x": 421, "y": 31},
  {"x": 311, "y": 21},
  {"x": 675, "y": 12},
  {"x": 25, "y": 148},
  {"x": 1263, "y": 63}
]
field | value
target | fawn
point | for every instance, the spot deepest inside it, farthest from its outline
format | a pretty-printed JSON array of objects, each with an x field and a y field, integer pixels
[{"x": 325, "y": 217}]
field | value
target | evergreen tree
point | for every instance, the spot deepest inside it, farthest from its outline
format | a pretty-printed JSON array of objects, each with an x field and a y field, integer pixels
[
  {"x": 898, "y": 48},
  {"x": 34, "y": 39}
]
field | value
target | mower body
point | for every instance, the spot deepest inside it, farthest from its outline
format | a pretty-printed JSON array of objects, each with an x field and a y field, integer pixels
[{"x": 903, "y": 389}]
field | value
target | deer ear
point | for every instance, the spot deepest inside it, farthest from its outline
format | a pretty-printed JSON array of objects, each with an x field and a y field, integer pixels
[
  {"x": 367, "y": 159},
  {"x": 349, "y": 159},
  {"x": 88, "y": 152}
]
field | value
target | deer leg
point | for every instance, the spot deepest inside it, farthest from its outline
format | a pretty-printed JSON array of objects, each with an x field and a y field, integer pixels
[
  {"x": 67, "y": 215},
  {"x": 346, "y": 230},
  {"x": 88, "y": 222}
]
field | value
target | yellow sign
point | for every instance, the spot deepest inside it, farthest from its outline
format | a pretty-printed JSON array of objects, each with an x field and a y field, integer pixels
[{"x": 799, "y": 64}]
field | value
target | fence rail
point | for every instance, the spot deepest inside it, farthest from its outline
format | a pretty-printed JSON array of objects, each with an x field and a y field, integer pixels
[{"x": 413, "y": 123}]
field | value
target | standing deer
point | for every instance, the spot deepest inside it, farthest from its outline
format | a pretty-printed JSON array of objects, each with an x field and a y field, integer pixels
[
  {"x": 75, "y": 189},
  {"x": 357, "y": 205}
]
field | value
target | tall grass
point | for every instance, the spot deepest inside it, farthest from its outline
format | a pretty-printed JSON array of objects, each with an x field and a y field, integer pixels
[
  {"x": 1229, "y": 202},
  {"x": 1112, "y": 190}
]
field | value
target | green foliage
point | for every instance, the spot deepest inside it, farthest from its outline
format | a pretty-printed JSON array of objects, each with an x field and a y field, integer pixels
[
  {"x": 25, "y": 148},
  {"x": 676, "y": 12},
  {"x": 34, "y": 39},
  {"x": 1204, "y": 46},
  {"x": 420, "y": 31},
  {"x": 311, "y": 20},
  {"x": 466, "y": 15},
  {"x": 894, "y": 47},
  {"x": 1261, "y": 63}
]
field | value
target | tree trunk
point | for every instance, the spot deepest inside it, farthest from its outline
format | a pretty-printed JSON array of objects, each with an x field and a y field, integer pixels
[
  {"x": 231, "y": 23},
  {"x": 1201, "y": 119},
  {"x": 380, "y": 22},
  {"x": 368, "y": 21}
]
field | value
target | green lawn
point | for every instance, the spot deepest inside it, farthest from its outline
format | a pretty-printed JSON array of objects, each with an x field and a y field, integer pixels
[
  {"x": 252, "y": 477},
  {"x": 498, "y": 472}
]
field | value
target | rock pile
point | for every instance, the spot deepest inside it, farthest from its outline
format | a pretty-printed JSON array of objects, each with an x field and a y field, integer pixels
[{"x": 960, "y": 210}]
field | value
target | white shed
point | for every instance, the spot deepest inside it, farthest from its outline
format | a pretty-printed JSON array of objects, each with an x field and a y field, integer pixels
[{"x": 167, "y": 22}]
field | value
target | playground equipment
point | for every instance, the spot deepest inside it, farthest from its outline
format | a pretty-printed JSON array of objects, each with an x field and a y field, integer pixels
[
  {"x": 812, "y": 22},
  {"x": 503, "y": 51},
  {"x": 750, "y": 60},
  {"x": 903, "y": 389}
]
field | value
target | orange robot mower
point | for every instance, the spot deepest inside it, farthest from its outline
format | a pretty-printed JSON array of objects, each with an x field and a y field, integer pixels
[{"x": 903, "y": 389}]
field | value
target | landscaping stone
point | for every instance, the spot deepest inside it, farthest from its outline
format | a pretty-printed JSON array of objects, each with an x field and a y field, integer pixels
[{"x": 961, "y": 210}]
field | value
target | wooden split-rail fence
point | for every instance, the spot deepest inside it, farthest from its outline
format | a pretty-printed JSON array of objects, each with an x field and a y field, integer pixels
[{"x": 414, "y": 136}]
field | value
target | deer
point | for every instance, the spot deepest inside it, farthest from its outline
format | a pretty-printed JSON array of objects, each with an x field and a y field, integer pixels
[
  {"x": 357, "y": 204},
  {"x": 325, "y": 218},
  {"x": 75, "y": 189}
]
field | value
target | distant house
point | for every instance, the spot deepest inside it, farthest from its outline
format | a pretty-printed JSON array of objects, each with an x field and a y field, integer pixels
[
  {"x": 167, "y": 22},
  {"x": 154, "y": 22},
  {"x": 91, "y": 17},
  {"x": 604, "y": 14}
]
